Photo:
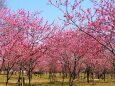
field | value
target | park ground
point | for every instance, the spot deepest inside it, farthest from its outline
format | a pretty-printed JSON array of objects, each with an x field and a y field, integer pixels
[{"x": 44, "y": 81}]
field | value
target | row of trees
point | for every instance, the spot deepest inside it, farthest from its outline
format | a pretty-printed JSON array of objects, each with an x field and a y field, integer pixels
[{"x": 28, "y": 43}]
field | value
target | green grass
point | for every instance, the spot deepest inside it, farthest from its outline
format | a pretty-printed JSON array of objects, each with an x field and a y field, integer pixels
[{"x": 44, "y": 81}]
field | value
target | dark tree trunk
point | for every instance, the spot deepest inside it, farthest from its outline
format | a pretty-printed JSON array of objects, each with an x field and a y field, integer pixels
[
  {"x": 71, "y": 82},
  {"x": 104, "y": 74},
  {"x": 88, "y": 73},
  {"x": 73, "y": 74},
  {"x": 30, "y": 72},
  {"x": 7, "y": 77},
  {"x": 21, "y": 79},
  {"x": 30, "y": 78}
]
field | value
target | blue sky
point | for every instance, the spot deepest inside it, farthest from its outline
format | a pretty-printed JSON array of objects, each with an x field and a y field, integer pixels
[{"x": 49, "y": 13}]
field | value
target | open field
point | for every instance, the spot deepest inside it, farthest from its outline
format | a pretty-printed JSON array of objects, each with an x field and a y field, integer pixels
[{"x": 44, "y": 81}]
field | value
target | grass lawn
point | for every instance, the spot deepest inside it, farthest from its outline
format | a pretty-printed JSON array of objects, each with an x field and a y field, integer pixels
[{"x": 44, "y": 81}]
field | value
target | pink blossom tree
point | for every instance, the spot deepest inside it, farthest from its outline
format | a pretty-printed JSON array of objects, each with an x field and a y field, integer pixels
[
  {"x": 97, "y": 21},
  {"x": 71, "y": 48},
  {"x": 23, "y": 33}
]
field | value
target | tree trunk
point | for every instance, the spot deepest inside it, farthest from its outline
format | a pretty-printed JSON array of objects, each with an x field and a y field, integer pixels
[
  {"x": 7, "y": 77},
  {"x": 30, "y": 77},
  {"x": 73, "y": 74},
  {"x": 21, "y": 80},
  {"x": 71, "y": 80},
  {"x": 88, "y": 73},
  {"x": 104, "y": 75},
  {"x": 114, "y": 70},
  {"x": 30, "y": 72},
  {"x": 63, "y": 77},
  {"x": 7, "y": 82}
]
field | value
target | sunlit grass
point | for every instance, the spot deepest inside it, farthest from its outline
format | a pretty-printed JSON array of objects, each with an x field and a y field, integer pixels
[{"x": 44, "y": 81}]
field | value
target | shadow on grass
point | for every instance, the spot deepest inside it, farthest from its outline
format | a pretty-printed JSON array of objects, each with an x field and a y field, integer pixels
[
  {"x": 10, "y": 84},
  {"x": 59, "y": 83},
  {"x": 56, "y": 83}
]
